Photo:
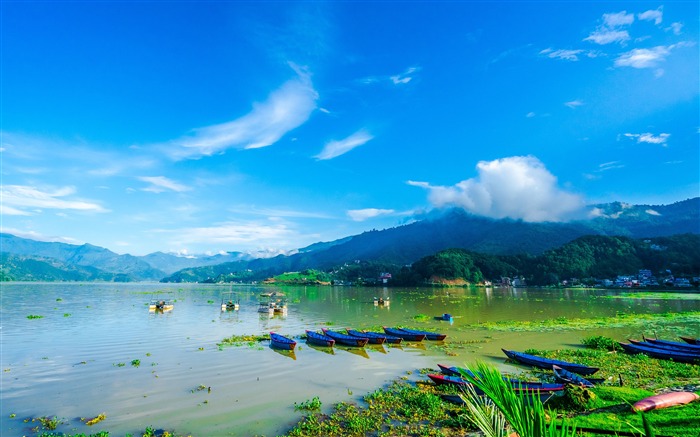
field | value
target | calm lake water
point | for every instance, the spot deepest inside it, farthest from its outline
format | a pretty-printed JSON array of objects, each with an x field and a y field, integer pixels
[{"x": 75, "y": 361}]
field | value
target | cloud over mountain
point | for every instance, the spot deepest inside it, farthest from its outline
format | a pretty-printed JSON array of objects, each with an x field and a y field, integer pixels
[{"x": 518, "y": 187}]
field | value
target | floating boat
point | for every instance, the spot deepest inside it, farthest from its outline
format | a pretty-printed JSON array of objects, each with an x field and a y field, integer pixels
[
  {"x": 521, "y": 387},
  {"x": 160, "y": 305},
  {"x": 369, "y": 334},
  {"x": 429, "y": 335},
  {"x": 348, "y": 340},
  {"x": 319, "y": 339},
  {"x": 381, "y": 301},
  {"x": 690, "y": 340},
  {"x": 403, "y": 334},
  {"x": 373, "y": 337},
  {"x": 228, "y": 303},
  {"x": 662, "y": 354},
  {"x": 665, "y": 400},
  {"x": 445, "y": 317},
  {"x": 281, "y": 342},
  {"x": 266, "y": 308},
  {"x": 563, "y": 375},
  {"x": 546, "y": 363}
]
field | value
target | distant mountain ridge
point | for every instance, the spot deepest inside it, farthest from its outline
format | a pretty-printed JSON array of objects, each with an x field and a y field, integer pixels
[{"x": 400, "y": 245}]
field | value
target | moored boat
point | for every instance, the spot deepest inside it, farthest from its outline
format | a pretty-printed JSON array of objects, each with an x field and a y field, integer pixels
[
  {"x": 348, "y": 340},
  {"x": 565, "y": 376},
  {"x": 519, "y": 387},
  {"x": 388, "y": 338},
  {"x": 459, "y": 371},
  {"x": 693, "y": 348},
  {"x": 690, "y": 340},
  {"x": 281, "y": 342},
  {"x": 666, "y": 346},
  {"x": 373, "y": 337},
  {"x": 319, "y": 339},
  {"x": 160, "y": 305},
  {"x": 546, "y": 363},
  {"x": 428, "y": 334},
  {"x": 228, "y": 303},
  {"x": 663, "y": 354},
  {"x": 403, "y": 334}
]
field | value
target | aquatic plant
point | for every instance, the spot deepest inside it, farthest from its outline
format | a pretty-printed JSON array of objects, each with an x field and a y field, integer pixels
[
  {"x": 50, "y": 423},
  {"x": 313, "y": 404},
  {"x": 97, "y": 419},
  {"x": 136, "y": 362},
  {"x": 32, "y": 316},
  {"x": 601, "y": 342}
]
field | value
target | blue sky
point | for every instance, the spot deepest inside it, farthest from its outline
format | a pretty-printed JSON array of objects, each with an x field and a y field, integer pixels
[{"x": 200, "y": 127}]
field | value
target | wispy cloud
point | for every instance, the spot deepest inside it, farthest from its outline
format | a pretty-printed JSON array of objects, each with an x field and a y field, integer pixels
[
  {"x": 676, "y": 28},
  {"x": 611, "y": 30},
  {"x": 27, "y": 200},
  {"x": 398, "y": 79},
  {"x": 518, "y": 187},
  {"x": 159, "y": 184},
  {"x": 650, "y": 138},
  {"x": 334, "y": 149},
  {"x": 655, "y": 15},
  {"x": 573, "y": 104},
  {"x": 612, "y": 165},
  {"x": 643, "y": 58},
  {"x": 360, "y": 215},
  {"x": 285, "y": 109}
]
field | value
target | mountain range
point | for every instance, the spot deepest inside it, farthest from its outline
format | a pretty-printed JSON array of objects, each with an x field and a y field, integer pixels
[{"x": 24, "y": 259}]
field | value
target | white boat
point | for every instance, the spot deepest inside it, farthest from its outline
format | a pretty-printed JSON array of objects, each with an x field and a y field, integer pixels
[
  {"x": 160, "y": 305},
  {"x": 228, "y": 303}
]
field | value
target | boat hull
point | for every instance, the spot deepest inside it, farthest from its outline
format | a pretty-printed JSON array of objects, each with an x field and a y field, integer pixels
[
  {"x": 281, "y": 342},
  {"x": 347, "y": 340},
  {"x": 373, "y": 337},
  {"x": 403, "y": 334},
  {"x": 319, "y": 339},
  {"x": 662, "y": 354},
  {"x": 546, "y": 363},
  {"x": 435, "y": 336}
]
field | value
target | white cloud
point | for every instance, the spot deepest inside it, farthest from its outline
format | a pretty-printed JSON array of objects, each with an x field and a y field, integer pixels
[
  {"x": 655, "y": 15},
  {"x": 336, "y": 148},
  {"x": 676, "y": 28},
  {"x": 607, "y": 36},
  {"x": 649, "y": 138},
  {"x": 404, "y": 77},
  {"x": 518, "y": 187},
  {"x": 652, "y": 212},
  {"x": 568, "y": 55},
  {"x": 643, "y": 58},
  {"x": 618, "y": 19},
  {"x": 285, "y": 109},
  {"x": 612, "y": 165},
  {"x": 160, "y": 184},
  {"x": 360, "y": 215},
  {"x": 36, "y": 236},
  {"x": 530, "y": 114},
  {"x": 574, "y": 104},
  {"x": 26, "y": 200}
]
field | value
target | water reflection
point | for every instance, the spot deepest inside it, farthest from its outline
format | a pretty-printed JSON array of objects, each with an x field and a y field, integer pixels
[
  {"x": 286, "y": 353},
  {"x": 359, "y": 351},
  {"x": 326, "y": 349}
]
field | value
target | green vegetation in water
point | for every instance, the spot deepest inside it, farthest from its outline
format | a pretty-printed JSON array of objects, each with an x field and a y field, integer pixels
[
  {"x": 601, "y": 342},
  {"x": 66, "y": 314},
  {"x": 95, "y": 420},
  {"x": 579, "y": 324},
  {"x": 421, "y": 318},
  {"x": 313, "y": 404},
  {"x": 136, "y": 363},
  {"x": 243, "y": 340},
  {"x": 33, "y": 316}
]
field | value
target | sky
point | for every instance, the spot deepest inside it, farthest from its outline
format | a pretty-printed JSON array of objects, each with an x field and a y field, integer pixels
[{"x": 213, "y": 126}]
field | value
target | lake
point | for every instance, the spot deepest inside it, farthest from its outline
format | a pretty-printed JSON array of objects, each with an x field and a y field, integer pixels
[{"x": 76, "y": 360}]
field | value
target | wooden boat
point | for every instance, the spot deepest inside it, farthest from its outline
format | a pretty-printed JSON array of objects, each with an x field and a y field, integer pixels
[
  {"x": 546, "y": 363},
  {"x": 281, "y": 342},
  {"x": 662, "y": 354},
  {"x": 160, "y": 305},
  {"x": 457, "y": 399},
  {"x": 690, "y": 340},
  {"x": 347, "y": 340},
  {"x": 429, "y": 335},
  {"x": 403, "y": 334},
  {"x": 521, "y": 387},
  {"x": 665, "y": 346},
  {"x": 319, "y": 339},
  {"x": 665, "y": 400},
  {"x": 563, "y": 375},
  {"x": 693, "y": 348},
  {"x": 373, "y": 337},
  {"x": 458, "y": 371},
  {"x": 388, "y": 338}
]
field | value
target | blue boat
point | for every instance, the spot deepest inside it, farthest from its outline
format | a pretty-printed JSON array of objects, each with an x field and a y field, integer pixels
[
  {"x": 692, "y": 348},
  {"x": 663, "y": 354},
  {"x": 403, "y": 334},
  {"x": 520, "y": 387},
  {"x": 373, "y": 337},
  {"x": 281, "y": 342},
  {"x": 563, "y": 375},
  {"x": 347, "y": 340},
  {"x": 458, "y": 371},
  {"x": 667, "y": 346},
  {"x": 429, "y": 335},
  {"x": 319, "y": 339},
  {"x": 546, "y": 363}
]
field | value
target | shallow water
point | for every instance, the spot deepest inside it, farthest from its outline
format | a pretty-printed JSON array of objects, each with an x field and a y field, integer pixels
[{"x": 75, "y": 361}]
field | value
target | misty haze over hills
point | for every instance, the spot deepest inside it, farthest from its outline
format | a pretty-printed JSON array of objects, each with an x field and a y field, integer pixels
[{"x": 25, "y": 259}]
